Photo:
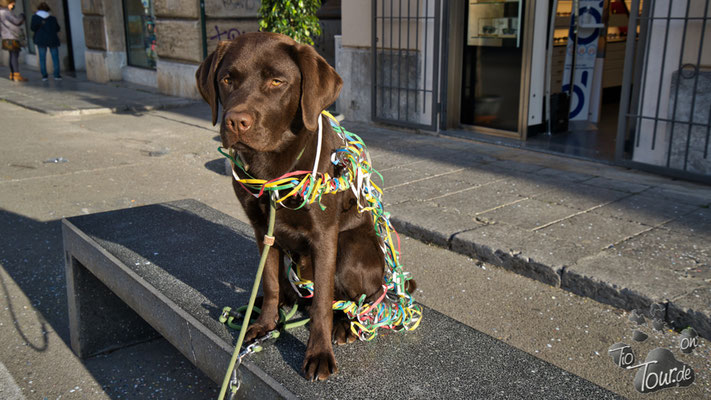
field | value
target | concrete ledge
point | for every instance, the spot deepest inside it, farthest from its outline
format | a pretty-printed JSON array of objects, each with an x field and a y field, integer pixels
[
  {"x": 104, "y": 66},
  {"x": 177, "y": 79},
  {"x": 139, "y": 76},
  {"x": 176, "y": 264},
  {"x": 354, "y": 101}
]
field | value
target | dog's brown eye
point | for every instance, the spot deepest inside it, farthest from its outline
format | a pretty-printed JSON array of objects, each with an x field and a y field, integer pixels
[
  {"x": 276, "y": 82},
  {"x": 227, "y": 80}
]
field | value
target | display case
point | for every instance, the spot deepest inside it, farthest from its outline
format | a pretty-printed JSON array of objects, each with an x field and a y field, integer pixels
[{"x": 494, "y": 23}]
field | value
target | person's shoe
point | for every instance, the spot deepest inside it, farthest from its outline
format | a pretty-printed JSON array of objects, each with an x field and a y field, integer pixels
[
  {"x": 17, "y": 77},
  {"x": 12, "y": 76},
  {"x": 45, "y": 79},
  {"x": 57, "y": 78}
]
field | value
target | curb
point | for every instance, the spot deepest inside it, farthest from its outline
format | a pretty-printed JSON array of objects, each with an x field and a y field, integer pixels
[{"x": 678, "y": 317}]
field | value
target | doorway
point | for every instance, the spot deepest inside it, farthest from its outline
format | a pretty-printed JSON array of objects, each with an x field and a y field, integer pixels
[
  {"x": 585, "y": 84},
  {"x": 491, "y": 71}
]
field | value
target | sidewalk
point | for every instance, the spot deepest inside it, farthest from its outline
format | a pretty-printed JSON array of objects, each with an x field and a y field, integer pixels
[
  {"x": 621, "y": 237},
  {"x": 74, "y": 96}
]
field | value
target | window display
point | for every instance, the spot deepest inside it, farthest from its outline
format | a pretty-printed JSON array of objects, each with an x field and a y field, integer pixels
[
  {"x": 492, "y": 56},
  {"x": 494, "y": 23},
  {"x": 140, "y": 33}
]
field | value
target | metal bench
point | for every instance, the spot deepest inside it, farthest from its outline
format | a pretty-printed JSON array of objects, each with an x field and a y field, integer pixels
[{"x": 168, "y": 269}]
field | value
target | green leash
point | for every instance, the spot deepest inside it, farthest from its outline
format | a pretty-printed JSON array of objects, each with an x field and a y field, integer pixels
[{"x": 236, "y": 355}]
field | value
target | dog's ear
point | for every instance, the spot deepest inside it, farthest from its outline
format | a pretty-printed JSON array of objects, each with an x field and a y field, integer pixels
[
  {"x": 320, "y": 85},
  {"x": 206, "y": 80}
]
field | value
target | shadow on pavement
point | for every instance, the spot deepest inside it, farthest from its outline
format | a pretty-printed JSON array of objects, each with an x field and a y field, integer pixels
[{"x": 32, "y": 256}]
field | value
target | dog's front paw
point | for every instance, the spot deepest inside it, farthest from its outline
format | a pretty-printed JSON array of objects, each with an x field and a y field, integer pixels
[
  {"x": 318, "y": 366},
  {"x": 257, "y": 330},
  {"x": 342, "y": 333}
]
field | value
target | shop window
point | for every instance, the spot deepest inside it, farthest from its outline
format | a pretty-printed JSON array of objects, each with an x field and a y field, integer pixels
[{"x": 139, "y": 19}]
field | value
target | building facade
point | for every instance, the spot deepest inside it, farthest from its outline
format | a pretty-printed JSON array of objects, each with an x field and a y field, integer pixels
[
  {"x": 160, "y": 43},
  {"x": 620, "y": 81}
]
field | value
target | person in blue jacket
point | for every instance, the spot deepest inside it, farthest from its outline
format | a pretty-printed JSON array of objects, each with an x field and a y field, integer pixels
[{"x": 45, "y": 27}]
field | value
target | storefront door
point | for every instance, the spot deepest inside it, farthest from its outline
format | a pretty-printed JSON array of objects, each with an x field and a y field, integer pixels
[{"x": 492, "y": 66}]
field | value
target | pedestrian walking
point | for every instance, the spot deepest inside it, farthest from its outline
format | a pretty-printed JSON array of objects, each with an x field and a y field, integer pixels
[
  {"x": 45, "y": 27},
  {"x": 11, "y": 32}
]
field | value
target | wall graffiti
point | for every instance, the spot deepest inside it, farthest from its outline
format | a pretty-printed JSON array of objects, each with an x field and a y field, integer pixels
[
  {"x": 227, "y": 34},
  {"x": 217, "y": 29},
  {"x": 227, "y": 29}
]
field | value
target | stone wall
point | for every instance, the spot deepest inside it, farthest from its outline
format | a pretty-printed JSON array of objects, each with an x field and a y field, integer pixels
[
  {"x": 179, "y": 38},
  {"x": 353, "y": 65},
  {"x": 690, "y": 148},
  {"x": 179, "y": 49}
]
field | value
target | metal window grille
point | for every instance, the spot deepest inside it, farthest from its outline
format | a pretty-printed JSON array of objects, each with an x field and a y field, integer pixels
[
  {"x": 665, "y": 113},
  {"x": 405, "y": 62}
]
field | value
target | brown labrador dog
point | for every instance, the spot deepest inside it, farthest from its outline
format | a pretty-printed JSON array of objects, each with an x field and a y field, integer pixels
[{"x": 272, "y": 90}]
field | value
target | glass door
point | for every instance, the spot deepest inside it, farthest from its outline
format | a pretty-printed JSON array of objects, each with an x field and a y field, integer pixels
[{"x": 491, "y": 77}]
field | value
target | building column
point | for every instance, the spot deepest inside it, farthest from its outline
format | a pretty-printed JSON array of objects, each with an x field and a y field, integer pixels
[
  {"x": 179, "y": 37},
  {"x": 105, "y": 39}
]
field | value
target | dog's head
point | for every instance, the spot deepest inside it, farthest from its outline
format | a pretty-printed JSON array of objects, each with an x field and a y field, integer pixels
[{"x": 270, "y": 88}]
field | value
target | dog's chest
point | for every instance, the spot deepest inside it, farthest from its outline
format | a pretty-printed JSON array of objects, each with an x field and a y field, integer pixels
[{"x": 292, "y": 234}]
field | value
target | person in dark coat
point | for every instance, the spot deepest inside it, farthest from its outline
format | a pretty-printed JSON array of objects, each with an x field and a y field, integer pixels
[
  {"x": 10, "y": 30},
  {"x": 45, "y": 27}
]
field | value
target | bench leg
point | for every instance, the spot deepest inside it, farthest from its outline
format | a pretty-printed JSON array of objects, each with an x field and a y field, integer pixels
[{"x": 99, "y": 321}]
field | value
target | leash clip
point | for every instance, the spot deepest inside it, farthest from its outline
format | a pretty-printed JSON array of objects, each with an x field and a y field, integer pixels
[{"x": 235, "y": 382}]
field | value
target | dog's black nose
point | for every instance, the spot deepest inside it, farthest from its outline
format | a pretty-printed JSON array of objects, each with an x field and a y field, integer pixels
[{"x": 238, "y": 122}]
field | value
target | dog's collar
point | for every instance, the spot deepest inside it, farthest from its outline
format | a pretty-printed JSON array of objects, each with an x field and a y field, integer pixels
[{"x": 311, "y": 185}]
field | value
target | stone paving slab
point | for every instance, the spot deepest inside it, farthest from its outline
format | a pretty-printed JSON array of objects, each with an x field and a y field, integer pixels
[
  {"x": 428, "y": 222},
  {"x": 424, "y": 189},
  {"x": 645, "y": 209},
  {"x": 385, "y": 160},
  {"x": 479, "y": 174},
  {"x": 200, "y": 260},
  {"x": 528, "y": 214},
  {"x": 688, "y": 257},
  {"x": 687, "y": 193},
  {"x": 396, "y": 175},
  {"x": 478, "y": 199},
  {"x": 616, "y": 184},
  {"x": 581, "y": 197},
  {"x": 73, "y": 96},
  {"x": 696, "y": 223},
  {"x": 563, "y": 174},
  {"x": 594, "y": 231}
]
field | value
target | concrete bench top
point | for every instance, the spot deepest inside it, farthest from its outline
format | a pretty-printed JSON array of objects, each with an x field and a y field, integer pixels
[{"x": 177, "y": 264}]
